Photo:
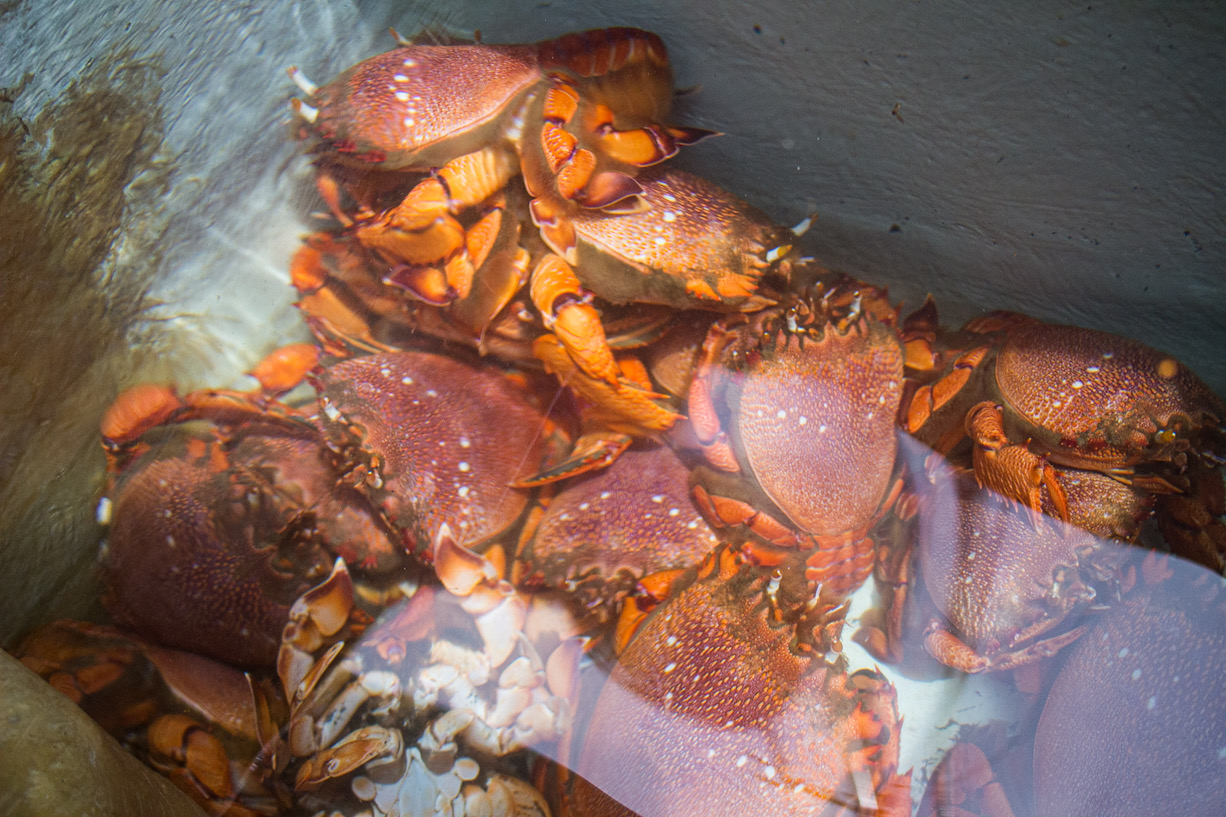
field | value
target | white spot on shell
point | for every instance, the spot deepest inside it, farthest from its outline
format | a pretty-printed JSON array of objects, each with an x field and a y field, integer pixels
[
  {"x": 583, "y": 506},
  {"x": 821, "y": 429},
  {"x": 769, "y": 771},
  {"x": 660, "y": 240},
  {"x": 1077, "y": 384},
  {"x": 803, "y": 420},
  {"x": 669, "y": 216},
  {"x": 402, "y": 96},
  {"x": 462, "y": 491},
  {"x": 1136, "y": 673},
  {"x": 409, "y": 122},
  {"x": 674, "y": 511},
  {"x": 670, "y": 668},
  {"x": 410, "y": 63},
  {"x": 605, "y": 494},
  {"x": 406, "y": 380},
  {"x": 464, "y": 467},
  {"x": 1151, "y": 702},
  {"x": 781, "y": 414},
  {"x": 465, "y": 442},
  {"x": 431, "y": 393},
  {"x": 385, "y": 372},
  {"x": 1123, "y": 652},
  {"x": 400, "y": 78},
  {"x": 1094, "y": 369},
  {"x": 657, "y": 498},
  {"x": 103, "y": 513},
  {"x": 741, "y": 761}
]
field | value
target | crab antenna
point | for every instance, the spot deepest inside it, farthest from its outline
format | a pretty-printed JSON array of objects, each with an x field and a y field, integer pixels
[
  {"x": 304, "y": 110},
  {"x": 300, "y": 79}
]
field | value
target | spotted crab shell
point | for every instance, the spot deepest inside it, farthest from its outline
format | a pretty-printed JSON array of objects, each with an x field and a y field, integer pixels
[
  {"x": 709, "y": 712},
  {"x": 690, "y": 231},
  {"x": 619, "y": 524},
  {"x": 815, "y": 422},
  {"x": 423, "y": 105},
  {"x": 1095, "y": 397},
  {"x": 442, "y": 441}
]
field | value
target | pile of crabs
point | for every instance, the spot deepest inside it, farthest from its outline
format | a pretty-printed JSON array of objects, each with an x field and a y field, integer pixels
[{"x": 561, "y": 510}]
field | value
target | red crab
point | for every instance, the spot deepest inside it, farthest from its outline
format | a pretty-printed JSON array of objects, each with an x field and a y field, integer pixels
[
  {"x": 1124, "y": 729},
  {"x": 1043, "y": 403},
  {"x": 795, "y": 407},
  {"x": 1010, "y": 586},
  {"x": 606, "y": 531},
  {"x": 715, "y": 708}
]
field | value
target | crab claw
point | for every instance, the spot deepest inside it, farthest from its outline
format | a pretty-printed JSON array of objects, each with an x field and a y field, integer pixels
[{"x": 499, "y": 610}]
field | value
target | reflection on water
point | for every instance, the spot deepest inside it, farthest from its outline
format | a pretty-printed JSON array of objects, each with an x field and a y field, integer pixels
[{"x": 506, "y": 596}]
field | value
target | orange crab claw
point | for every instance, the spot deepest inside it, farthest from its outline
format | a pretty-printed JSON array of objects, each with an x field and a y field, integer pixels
[
  {"x": 1011, "y": 470},
  {"x": 567, "y": 310},
  {"x": 137, "y": 410},
  {"x": 284, "y": 368}
]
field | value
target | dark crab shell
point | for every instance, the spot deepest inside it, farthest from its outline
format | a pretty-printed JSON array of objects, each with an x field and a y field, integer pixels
[{"x": 433, "y": 440}]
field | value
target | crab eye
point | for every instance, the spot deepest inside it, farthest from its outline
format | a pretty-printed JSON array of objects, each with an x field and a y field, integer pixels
[{"x": 1166, "y": 435}]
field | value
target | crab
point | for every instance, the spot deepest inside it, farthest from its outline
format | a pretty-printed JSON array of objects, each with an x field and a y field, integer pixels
[
  {"x": 431, "y": 708},
  {"x": 605, "y": 532},
  {"x": 794, "y": 408},
  {"x": 466, "y": 113},
  {"x": 189, "y": 717},
  {"x": 1043, "y": 404},
  {"x": 228, "y": 529},
  {"x": 1010, "y": 586},
  {"x": 722, "y": 705},
  {"x": 211, "y": 539},
  {"x": 1123, "y": 727}
]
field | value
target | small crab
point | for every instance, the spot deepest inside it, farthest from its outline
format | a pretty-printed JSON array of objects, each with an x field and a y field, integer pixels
[
  {"x": 721, "y": 705},
  {"x": 794, "y": 407}
]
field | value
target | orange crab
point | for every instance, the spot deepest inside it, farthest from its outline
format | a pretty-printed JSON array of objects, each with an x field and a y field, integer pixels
[
  {"x": 794, "y": 407},
  {"x": 1043, "y": 404},
  {"x": 586, "y": 107},
  {"x": 1010, "y": 587},
  {"x": 723, "y": 705},
  {"x": 1123, "y": 728}
]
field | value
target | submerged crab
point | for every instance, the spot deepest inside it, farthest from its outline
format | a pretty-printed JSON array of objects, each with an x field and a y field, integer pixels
[
  {"x": 796, "y": 736},
  {"x": 795, "y": 411},
  {"x": 605, "y": 532},
  {"x": 1010, "y": 586},
  {"x": 211, "y": 541},
  {"x": 1123, "y": 729}
]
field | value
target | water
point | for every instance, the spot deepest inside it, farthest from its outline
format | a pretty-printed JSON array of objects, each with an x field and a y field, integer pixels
[{"x": 1039, "y": 161}]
